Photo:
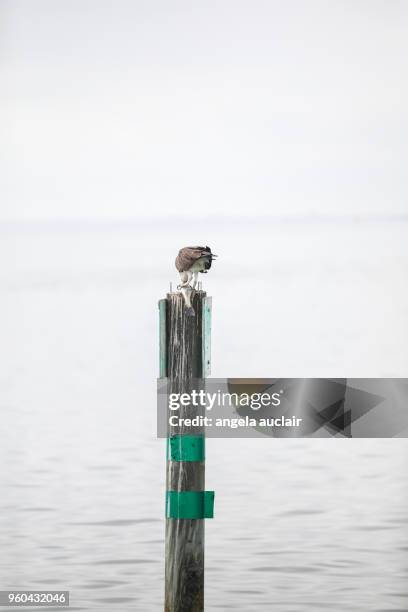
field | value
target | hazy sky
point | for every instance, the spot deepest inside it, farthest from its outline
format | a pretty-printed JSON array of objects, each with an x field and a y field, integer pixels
[{"x": 126, "y": 108}]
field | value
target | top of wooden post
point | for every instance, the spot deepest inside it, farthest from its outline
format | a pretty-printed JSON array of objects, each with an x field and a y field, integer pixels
[{"x": 185, "y": 341}]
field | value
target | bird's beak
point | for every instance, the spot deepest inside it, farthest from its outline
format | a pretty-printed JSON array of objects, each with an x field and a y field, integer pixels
[{"x": 214, "y": 255}]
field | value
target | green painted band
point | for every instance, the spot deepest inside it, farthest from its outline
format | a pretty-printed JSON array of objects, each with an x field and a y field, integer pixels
[
  {"x": 186, "y": 448},
  {"x": 190, "y": 504}
]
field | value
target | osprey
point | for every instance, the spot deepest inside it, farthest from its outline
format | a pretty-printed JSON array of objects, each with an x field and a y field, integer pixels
[
  {"x": 192, "y": 260},
  {"x": 189, "y": 262}
]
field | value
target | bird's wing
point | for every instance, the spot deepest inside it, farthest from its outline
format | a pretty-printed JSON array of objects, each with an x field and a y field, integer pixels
[{"x": 188, "y": 255}]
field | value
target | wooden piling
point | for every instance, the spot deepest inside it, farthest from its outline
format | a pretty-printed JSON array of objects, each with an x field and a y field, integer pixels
[{"x": 184, "y": 359}]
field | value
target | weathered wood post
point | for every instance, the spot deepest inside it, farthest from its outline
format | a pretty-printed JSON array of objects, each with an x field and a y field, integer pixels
[{"x": 184, "y": 358}]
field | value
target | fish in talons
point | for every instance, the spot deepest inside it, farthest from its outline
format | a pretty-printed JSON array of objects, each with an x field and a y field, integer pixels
[{"x": 191, "y": 261}]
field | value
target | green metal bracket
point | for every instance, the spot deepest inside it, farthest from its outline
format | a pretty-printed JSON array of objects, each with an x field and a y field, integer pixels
[
  {"x": 162, "y": 338},
  {"x": 186, "y": 448},
  {"x": 206, "y": 336},
  {"x": 189, "y": 504}
]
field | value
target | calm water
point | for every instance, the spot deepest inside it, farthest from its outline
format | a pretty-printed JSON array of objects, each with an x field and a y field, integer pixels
[{"x": 301, "y": 525}]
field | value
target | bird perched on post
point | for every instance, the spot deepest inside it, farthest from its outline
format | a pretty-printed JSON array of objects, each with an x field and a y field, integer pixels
[{"x": 189, "y": 262}]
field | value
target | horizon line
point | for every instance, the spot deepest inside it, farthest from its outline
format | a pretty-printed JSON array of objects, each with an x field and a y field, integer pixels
[{"x": 120, "y": 221}]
